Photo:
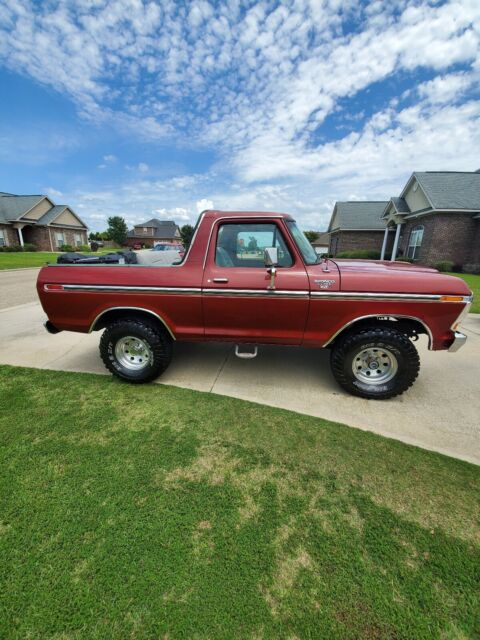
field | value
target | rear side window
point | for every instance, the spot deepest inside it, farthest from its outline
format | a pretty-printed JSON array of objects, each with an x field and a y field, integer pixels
[{"x": 242, "y": 245}]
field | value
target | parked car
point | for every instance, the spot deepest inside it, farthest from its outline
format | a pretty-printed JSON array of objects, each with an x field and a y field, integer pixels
[
  {"x": 369, "y": 314},
  {"x": 170, "y": 247}
]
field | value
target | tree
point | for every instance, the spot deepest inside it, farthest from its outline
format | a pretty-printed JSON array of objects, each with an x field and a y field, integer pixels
[
  {"x": 186, "y": 233},
  {"x": 252, "y": 244},
  {"x": 117, "y": 229},
  {"x": 311, "y": 235}
]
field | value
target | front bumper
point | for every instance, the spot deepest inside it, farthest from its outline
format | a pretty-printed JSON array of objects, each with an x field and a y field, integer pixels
[{"x": 458, "y": 341}]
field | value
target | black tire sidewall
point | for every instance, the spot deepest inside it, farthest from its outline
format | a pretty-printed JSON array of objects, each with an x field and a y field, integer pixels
[
  {"x": 159, "y": 344},
  {"x": 398, "y": 344}
]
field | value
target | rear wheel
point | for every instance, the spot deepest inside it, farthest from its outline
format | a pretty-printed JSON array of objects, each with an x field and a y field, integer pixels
[
  {"x": 135, "y": 351},
  {"x": 376, "y": 363}
]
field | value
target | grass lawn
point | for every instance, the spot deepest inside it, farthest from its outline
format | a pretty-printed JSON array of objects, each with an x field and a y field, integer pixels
[
  {"x": 23, "y": 260},
  {"x": 473, "y": 281},
  {"x": 156, "y": 512}
]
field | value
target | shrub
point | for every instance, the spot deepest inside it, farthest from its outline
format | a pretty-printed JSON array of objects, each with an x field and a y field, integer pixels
[
  {"x": 82, "y": 247},
  {"x": 472, "y": 267},
  {"x": 444, "y": 265},
  {"x": 365, "y": 254},
  {"x": 13, "y": 248},
  {"x": 404, "y": 259},
  {"x": 28, "y": 246},
  {"x": 66, "y": 247}
]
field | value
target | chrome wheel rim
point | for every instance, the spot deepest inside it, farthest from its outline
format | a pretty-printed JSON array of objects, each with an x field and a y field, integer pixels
[
  {"x": 133, "y": 353},
  {"x": 374, "y": 365}
]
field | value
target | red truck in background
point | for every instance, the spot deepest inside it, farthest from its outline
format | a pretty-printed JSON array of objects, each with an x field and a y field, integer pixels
[{"x": 253, "y": 278}]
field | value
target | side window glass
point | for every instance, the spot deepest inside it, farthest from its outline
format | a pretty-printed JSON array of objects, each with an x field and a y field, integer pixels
[{"x": 242, "y": 245}]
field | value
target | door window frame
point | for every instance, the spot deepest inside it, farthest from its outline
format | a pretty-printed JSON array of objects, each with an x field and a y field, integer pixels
[{"x": 212, "y": 244}]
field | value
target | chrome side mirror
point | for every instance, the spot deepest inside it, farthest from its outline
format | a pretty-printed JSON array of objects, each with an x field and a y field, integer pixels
[{"x": 270, "y": 256}]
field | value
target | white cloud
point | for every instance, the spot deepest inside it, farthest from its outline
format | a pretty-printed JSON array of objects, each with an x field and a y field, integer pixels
[
  {"x": 204, "y": 204},
  {"x": 254, "y": 84},
  {"x": 447, "y": 88},
  {"x": 53, "y": 193}
]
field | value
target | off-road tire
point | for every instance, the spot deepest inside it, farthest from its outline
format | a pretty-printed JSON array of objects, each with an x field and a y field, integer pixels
[
  {"x": 159, "y": 344},
  {"x": 353, "y": 344}
]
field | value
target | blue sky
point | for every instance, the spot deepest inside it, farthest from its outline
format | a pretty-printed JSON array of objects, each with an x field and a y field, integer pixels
[{"x": 162, "y": 109}]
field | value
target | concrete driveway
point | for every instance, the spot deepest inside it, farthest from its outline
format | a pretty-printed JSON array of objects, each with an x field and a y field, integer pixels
[
  {"x": 440, "y": 412},
  {"x": 17, "y": 286}
]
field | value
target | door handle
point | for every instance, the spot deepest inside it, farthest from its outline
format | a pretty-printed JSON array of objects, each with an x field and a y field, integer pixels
[{"x": 220, "y": 279}]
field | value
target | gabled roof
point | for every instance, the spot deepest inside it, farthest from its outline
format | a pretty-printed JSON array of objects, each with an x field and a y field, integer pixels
[
  {"x": 162, "y": 228},
  {"x": 366, "y": 215},
  {"x": 449, "y": 189},
  {"x": 52, "y": 214},
  {"x": 399, "y": 204},
  {"x": 13, "y": 207}
]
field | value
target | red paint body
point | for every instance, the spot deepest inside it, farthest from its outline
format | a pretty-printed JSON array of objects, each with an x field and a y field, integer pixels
[{"x": 293, "y": 315}]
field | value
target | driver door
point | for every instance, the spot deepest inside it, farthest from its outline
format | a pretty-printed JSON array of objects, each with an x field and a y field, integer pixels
[{"x": 237, "y": 303}]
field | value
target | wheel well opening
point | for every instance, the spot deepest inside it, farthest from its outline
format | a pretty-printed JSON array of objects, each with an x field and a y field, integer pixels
[
  {"x": 149, "y": 317},
  {"x": 411, "y": 327}
]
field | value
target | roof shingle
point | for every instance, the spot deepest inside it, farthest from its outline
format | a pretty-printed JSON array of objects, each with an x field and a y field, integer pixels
[
  {"x": 358, "y": 215},
  {"x": 451, "y": 189}
]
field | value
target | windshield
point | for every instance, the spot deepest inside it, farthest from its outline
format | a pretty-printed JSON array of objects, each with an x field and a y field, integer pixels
[{"x": 306, "y": 249}]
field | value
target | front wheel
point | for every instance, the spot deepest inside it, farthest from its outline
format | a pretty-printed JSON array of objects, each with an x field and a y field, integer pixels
[
  {"x": 135, "y": 351},
  {"x": 376, "y": 363}
]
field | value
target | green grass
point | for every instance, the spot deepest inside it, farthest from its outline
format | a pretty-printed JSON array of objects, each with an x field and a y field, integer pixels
[
  {"x": 24, "y": 260},
  {"x": 473, "y": 281},
  {"x": 157, "y": 512}
]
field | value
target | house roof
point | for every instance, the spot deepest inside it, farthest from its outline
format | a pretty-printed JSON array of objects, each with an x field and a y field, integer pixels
[
  {"x": 358, "y": 215},
  {"x": 51, "y": 214},
  {"x": 400, "y": 205},
  {"x": 13, "y": 207},
  {"x": 451, "y": 189},
  {"x": 323, "y": 239},
  {"x": 163, "y": 228}
]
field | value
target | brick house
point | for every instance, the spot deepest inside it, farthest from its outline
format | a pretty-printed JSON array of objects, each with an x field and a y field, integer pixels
[
  {"x": 152, "y": 232},
  {"x": 356, "y": 225},
  {"x": 435, "y": 218},
  {"x": 37, "y": 220}
]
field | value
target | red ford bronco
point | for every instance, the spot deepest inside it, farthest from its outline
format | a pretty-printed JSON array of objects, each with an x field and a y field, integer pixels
[{"x": 253, "y": 278}]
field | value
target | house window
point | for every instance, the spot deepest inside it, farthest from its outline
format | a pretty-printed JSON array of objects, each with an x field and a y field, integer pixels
[
  {"x": 78, "y": 239},
  {"x": 2, "y": 238},
  {"x": 415, "y": 242},
  {"x": 60, "y": 238}
]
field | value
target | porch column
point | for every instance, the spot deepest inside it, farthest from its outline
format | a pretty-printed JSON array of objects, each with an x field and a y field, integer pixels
[
  {"x": 384, "y": 245},
  {"x": 20, "y": 235},
  {"x": 395, "y": 244}
]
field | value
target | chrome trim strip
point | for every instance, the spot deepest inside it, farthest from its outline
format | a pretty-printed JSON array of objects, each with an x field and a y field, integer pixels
[
  {"x": 346, "y": 295},
  {"x": 378, "y": 315},
  {"x": 291, "y": 293},
  {"x": 128, "y": 289},
  {"x": 92, "y": 326},
  {"x": 256, "y": 293}
]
